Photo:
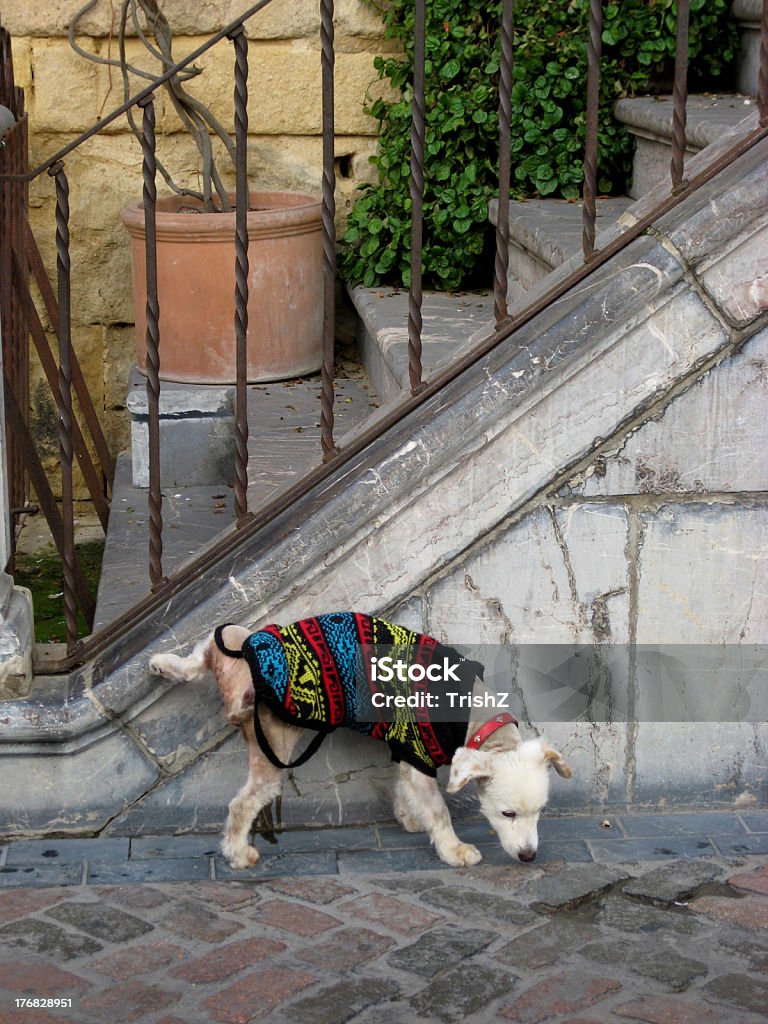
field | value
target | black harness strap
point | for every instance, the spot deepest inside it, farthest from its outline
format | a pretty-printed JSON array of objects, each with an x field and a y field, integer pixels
[
  {"x": 312, "y": 747},
  {"x": 267, "y": 751}
]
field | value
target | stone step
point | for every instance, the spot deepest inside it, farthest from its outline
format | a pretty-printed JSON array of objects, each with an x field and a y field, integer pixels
[
  {"x": 197, "y": 468},
  {"x": 448, "y": 320},
  {"x": 543, "y": 233},
  {"x": 649, "y": 119},
  {"x": 748, "y": 14}
]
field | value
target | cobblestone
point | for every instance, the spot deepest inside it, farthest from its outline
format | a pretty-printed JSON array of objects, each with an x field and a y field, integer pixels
[
  {"x": 440, "y": 948},
  {"x": 673, "y": 883},
  {"x": 557, "y": 942},
  {"x": 462, "y": 992},
  {"x": 660, "y": 962},
  {"x": 566, "y": 992}
]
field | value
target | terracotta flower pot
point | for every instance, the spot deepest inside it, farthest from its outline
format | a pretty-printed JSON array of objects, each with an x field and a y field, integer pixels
[{"x": 196, "y": 288}]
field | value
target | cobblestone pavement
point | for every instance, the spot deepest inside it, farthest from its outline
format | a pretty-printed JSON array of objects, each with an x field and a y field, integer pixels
[{"x": 660, "y": 918}]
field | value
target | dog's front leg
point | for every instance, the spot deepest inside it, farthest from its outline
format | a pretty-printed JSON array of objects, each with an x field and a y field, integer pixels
[
  {"x": 263, "y": 785},
  {"x": 424, "y": 803}
]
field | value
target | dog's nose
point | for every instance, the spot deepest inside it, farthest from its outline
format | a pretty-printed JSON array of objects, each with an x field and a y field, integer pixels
[{"x": 527, "y": 855}]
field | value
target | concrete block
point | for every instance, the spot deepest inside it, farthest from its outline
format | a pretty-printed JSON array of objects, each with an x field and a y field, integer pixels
[
  {"x": 48, "y": 791},
  {"x": 196, "y": 433}
]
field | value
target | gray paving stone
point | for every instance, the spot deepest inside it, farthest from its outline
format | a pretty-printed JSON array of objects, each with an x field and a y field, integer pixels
[
  {"x": 340, "y": 1002},
  {"x": 466, "y": 902},
  {"x": 307, "y": 840},
  {"x": 739, "y": 990},
  {"x": 626, "y": 915},
  {"x": 746, "y": 844},
  {"x": 47, "y": 939},
  {"x": 174, "y": 847},
  {"x": 39, "y": 877},
  {"x": 673, "y": 883},
  {"x": 572, "y": 886},
  {"x": 393, "y": 837},
  {"x": 547, "y": 853},
  {"x": 622, "y": 851},
  {"x": 101, "y": 921},
  {"x": 66, "y": 851},
  {"x": 386, "y": 861},
  {"x": 756, "y": 821},
  {"x": 280, "y": 865},
  {"x": 705, "y": 823},
  {"x": 463, "y": 992},
  {"x": 438, "y": 949},
  {"x": 107, "y": 872},
  {"x": 660, "y": 962},
  {"x": 548, "y": 944}
]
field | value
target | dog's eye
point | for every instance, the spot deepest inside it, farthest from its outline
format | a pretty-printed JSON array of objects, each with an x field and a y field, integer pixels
[{"x": 510, "y": 814}]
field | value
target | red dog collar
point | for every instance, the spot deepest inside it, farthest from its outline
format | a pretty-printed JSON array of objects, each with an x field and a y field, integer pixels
[{"x": 478, "y": 738}]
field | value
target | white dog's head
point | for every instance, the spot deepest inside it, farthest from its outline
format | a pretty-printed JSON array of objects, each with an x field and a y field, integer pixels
[{"x": 513, "y": 786}]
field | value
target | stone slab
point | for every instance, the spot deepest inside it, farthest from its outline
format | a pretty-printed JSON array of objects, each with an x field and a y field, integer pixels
[
  {"x": 543, "y": 233},
  {"x": 570, "y": 887},
  {"x": 609, "y": 851},
  {"x": 672, "y": 453},
  {"x": 66, "y": 851},
  {"x": 672, "y": 883},
  {"x": 383, "y": 331},
  {"x": 110, "y": 872},
  {"x": 703, "y": 823},
  {"x": 649, "y": 118}
]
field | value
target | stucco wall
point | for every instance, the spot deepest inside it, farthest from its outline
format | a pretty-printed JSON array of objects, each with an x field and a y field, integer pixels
[{"x": 66, "y": 95}]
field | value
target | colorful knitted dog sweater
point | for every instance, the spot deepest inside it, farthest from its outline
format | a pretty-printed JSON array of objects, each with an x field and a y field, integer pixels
[{"x": 313, "y": 673}]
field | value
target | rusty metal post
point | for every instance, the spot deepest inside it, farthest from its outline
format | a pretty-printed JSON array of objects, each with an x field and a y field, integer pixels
[
  {"x": 327, "y": 64},
  {"x": 680, "y": 97},
  {"x": 762, "y": 74},
  {"x": 242, "y": 203},
  {"x": 594, "y": 51},
  {"x": 415, "y": 322},
  {"x": 501, "y": 264},
  {"x": 155, "y": 498},
  {"x": 63, "y": 268}
]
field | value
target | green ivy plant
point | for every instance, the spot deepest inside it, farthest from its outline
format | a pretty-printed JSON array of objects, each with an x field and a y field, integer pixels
[{"x": 548, "y": 108}]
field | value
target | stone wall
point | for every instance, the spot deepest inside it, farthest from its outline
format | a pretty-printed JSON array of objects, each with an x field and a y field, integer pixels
[{"x": 66, "y": 95}]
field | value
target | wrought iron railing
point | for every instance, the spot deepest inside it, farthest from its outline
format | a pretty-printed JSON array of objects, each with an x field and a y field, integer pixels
[{"x": 67, "y": 376}]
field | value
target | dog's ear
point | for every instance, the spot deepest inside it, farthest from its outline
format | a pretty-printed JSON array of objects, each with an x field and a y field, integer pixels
[
  {"x": 558, "y": 762},
  {"x": 466, "y": 765}
]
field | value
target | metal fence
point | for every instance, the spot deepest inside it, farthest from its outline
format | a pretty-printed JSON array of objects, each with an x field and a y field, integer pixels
[{"x": 20, "y": 254}]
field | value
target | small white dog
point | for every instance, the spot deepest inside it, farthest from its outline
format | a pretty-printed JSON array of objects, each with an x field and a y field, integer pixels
[{"x": 512, "y": 776}]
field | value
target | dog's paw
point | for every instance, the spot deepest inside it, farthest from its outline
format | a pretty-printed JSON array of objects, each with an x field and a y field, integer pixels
[
  {"x": 463, "y": 855},
  {"x": 161, "y": 665},
  {"x": 241, "y": 858}
]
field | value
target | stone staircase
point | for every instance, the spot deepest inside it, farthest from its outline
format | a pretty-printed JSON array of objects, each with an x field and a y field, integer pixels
[
  {"x": 545, "y": 233},
  {"x": 197, "y": 421}
]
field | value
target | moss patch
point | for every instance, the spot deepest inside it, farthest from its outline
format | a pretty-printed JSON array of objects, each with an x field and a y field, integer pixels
[{"x": 42, "y": 573}]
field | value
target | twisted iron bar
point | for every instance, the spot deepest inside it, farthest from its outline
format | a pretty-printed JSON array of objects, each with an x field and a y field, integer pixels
[
  {"x": 241, "y": 273},
  {"x": 155, "y": 501},
  {"x": 327, "y": 63},
  {"x": 762, "y": 74},
  {"x": 415, "y": 322},
  {"x": 594, "y": 51},
  {"x": 501, "y": 263},
  {"x": 63, "y": 267},
  {"x": 680, "y": 97}
]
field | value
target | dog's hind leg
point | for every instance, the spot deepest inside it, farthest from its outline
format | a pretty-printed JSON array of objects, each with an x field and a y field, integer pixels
[
  {"x": 261, "y": 788},
  {"x": 423, "y": 802},
  {"x": 264, "y": 784}
]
